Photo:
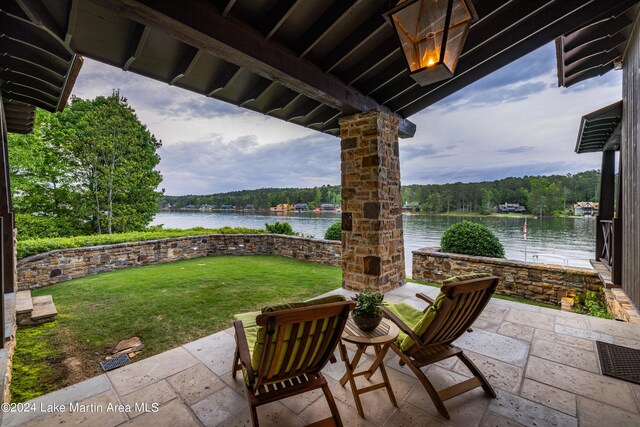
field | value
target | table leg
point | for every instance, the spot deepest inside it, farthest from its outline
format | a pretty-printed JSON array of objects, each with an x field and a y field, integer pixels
[
  {"x": 351, "y": 367},
  {"x": 379, "y": 359},
  {"x": 348, "y": 376}
]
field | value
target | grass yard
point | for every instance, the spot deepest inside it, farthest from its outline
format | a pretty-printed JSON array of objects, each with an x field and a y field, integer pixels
[{"x": 166, "y": 305}]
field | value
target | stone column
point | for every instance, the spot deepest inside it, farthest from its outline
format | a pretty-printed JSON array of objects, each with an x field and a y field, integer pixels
[{"x": 372, "y": 238}]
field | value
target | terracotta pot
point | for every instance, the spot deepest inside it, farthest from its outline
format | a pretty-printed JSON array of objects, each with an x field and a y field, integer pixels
[{"x": 367, "y": 323}]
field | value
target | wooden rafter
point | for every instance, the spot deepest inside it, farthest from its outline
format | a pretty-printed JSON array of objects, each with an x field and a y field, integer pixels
[
  {"x": 203, "y": 27},
  {"x": 325, "y": 22},
  {"x": 138, "y": 39},
  {"x": 279, "y": 13},
  {"x": 223, "y": 79},
  {"x": 187, "y": 61}
]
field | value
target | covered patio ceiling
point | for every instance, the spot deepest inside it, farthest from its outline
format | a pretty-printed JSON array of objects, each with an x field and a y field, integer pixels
[{"x": 309, "y": 62}]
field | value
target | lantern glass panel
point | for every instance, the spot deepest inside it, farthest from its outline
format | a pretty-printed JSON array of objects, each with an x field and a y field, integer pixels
[{"x": 420, "y": 27}]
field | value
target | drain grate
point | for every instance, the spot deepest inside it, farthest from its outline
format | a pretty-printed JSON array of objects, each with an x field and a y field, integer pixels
[
  {"x": 619, "y": 362},
  {"x": 116, "y": 362}
]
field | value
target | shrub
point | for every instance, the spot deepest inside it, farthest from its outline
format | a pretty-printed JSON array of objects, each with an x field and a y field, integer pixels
[
  {"x": 35, "y": 227},
  {"x": 471, "y": 238},
  {"x": 35, "y": 246},
  {"x": 591, "y": 303},
  {"x": 280, "y": 228},
  {"x": 334, "y": 232}
]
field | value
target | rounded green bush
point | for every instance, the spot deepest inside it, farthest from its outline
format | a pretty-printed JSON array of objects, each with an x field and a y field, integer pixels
[
  {"x": 471, "y": 238},
  {"x": 334, "y": 232}
]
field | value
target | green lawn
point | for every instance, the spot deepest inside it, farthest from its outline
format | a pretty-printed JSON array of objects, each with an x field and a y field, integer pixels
[{"x": 166, "y": 305}]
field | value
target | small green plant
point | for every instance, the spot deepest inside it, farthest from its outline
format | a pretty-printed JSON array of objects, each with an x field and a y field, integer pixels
[
  {"x": 591, "y": 303},
  {"x": 334, "y": 232},
  {"x": 280, "y": 228},
  {"x": 471, "y": 238},
  {"x": 368, "y": 303}
]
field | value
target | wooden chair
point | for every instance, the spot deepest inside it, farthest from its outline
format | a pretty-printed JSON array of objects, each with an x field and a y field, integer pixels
[
  {"x": 286, "y": 352},
  {"x": 426, "y": 336}
]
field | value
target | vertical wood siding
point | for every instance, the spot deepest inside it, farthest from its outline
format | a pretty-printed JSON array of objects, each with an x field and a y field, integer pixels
[{"x": 630, "y": 164}]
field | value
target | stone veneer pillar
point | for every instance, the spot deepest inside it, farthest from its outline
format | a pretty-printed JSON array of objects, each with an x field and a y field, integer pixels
[{"x": 372, "y": 238}]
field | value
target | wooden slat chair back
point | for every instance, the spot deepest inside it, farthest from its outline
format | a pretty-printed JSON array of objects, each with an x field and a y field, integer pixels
[
  {"x": 292, "y": 347},
  {"x": 464, "y": 302},
  {"x": 459, "y": 308}
]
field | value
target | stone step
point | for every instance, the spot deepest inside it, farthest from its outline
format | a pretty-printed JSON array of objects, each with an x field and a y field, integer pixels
[
  {"x": 24, "y": 307},
  {"x": 24, "y": 304},
  {"x": 43, "y": 310}
]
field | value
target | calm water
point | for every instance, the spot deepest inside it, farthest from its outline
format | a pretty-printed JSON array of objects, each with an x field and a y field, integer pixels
[{"x": 573, "y": 239}]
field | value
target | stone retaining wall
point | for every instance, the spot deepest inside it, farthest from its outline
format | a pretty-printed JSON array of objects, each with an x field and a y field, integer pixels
[
  {"x": 539, "y": 282},
  {"x": 65, "y": 264}
]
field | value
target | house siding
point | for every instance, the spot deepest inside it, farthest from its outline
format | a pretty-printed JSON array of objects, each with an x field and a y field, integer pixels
[{"x": 630, "y": 172}]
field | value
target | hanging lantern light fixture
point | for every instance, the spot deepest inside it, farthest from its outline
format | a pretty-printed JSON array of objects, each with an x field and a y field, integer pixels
[{"x": 432, "y": 34}]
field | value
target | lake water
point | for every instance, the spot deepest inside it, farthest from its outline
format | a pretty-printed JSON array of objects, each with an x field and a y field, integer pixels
[{"x": 573, "y": 239}]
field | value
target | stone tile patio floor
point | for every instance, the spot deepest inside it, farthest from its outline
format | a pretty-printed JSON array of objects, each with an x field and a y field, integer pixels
[{"x": 542, "y": 362}]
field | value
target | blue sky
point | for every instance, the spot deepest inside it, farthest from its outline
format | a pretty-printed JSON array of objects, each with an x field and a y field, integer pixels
[{"x": 514, "y": 122}]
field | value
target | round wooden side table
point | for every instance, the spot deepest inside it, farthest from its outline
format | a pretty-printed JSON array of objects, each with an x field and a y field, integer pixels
[{"x": 380, "y": 338}]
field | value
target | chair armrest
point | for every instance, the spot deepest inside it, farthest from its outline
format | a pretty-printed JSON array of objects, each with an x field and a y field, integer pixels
[
  {"x": 243, "y": 349},
  {"x": 403, "y": 326},
  {"x": 425, "y": 298}
]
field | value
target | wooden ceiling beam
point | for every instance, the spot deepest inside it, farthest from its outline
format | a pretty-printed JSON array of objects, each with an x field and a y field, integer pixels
[
  {"x": 278, "y": 14},
  {"x": 604, "y": 44},
  {"x": 223, "y": 79},
  {"x": 138, "y": 39},
  {"x": 373, "y": 60},
  {"x": 40, "y": 16},
  {"x": 187, "y": 61},
  {"x": 304, "y": 109},
  {"x": 561, "y": 17},
  {"x": 15, "y": 87},
  {"x": 9, "y": 75},
  {"x": 38, "y": 57},
  {"x": 591, "y": 62},
  {"x": 254, "y": 91},
  {"x": 384, "y": 77},
  {"x": 588, "y": 74},
  {"x": 595, "y": 31},
  {"x": 27, "y": 100},
  {"x": 323, "y": 25},
  {"x": 201, "y": 26},
  {"x": 28, "y": 34},
  {"x": 37, "y": 71},
  {"x": 361, "y": 35},
  {"x": 280, "y": 102}
]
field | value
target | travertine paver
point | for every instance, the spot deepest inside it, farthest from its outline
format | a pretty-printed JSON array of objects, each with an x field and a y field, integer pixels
[
  {"x": 498, "y": 346},
  {"x": 549, "y": 396},
  {"x": 137, "y": 375},
  {"x": 499, "y": 374},
  {"x": 219, "y": 406},
  {"x": 566, "y": 355},
  {"x": 139, "y": 400},
  {"x": 541, "y": 362},
  {"x": 596, "y": 414},
  {"x": 605, "y": 389},
  {"x": 195, "y": 383},
  {"x": 529, "y": 413}
]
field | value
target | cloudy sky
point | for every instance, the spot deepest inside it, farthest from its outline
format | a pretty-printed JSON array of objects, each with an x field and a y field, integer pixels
[{"x": 514, "y": 122}]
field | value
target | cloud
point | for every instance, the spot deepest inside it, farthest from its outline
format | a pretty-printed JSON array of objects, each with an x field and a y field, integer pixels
[
  {"x": 204, "y": 167},
  {"x": 514, "y": 122}
]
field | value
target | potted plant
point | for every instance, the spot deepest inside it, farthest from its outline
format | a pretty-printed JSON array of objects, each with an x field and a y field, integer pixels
[{"x": 368, "y": 312}]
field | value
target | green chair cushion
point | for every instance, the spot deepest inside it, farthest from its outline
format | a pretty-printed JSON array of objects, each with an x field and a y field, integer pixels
[
  {"x": 256, "y": 335},
  {"x": 415, "y": 319},
  {"x": 250, "y": 327},
  {"x": 288, "y": 305},
  {"x": 464, "y": 277}
]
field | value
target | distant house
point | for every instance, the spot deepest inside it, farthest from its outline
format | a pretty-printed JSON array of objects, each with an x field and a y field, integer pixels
[
  {"x": 299, "y": 207},
  {"x": 189, "y": 207},
  {"x": 327, "y": 207},
  {"x": 511, "y": 208},
  {"x": 282, "y": 207},
  {"x": 585, "y": 209},
  {"x": 411, "y": 207},
  {"x": 205, "y": 207},
  {"x": 227, "y": 207},
  {"x": 249, "y": 207}
]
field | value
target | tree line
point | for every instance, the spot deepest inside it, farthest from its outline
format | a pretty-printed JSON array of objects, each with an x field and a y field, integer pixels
[
  {"x": 89, "y": 169},
  {"x": 541, "y": 195}
]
